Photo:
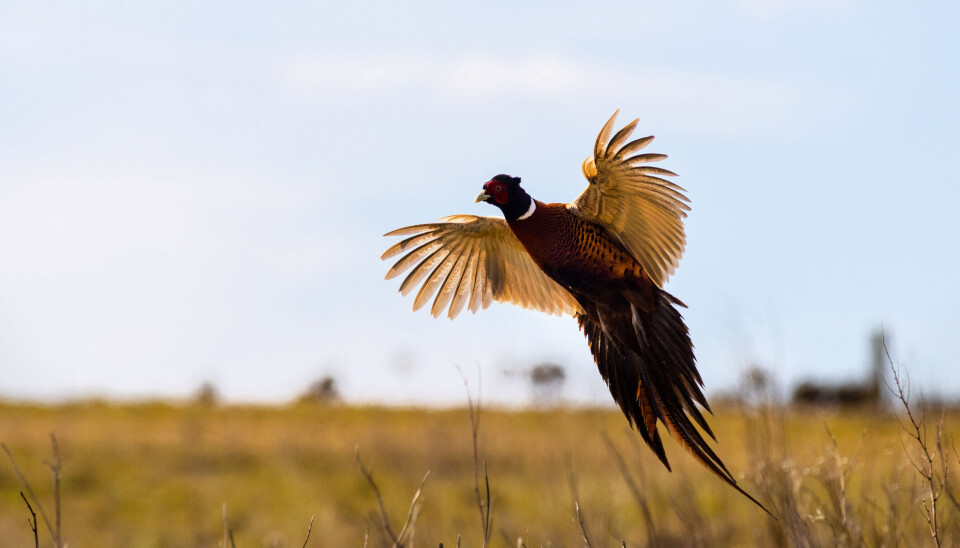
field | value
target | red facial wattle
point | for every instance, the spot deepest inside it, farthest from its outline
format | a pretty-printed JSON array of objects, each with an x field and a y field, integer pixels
[{"x": 498, "y": 191}]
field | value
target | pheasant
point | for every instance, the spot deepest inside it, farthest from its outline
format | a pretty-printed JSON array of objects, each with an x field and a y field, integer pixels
[{"x": 603, "y": 259}]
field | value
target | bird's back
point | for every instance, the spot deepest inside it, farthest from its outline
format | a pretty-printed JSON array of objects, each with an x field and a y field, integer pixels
[{"x": 580, "y": 255}]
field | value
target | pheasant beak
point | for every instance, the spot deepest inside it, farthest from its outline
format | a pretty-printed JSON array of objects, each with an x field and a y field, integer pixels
[{"x": 482, "y": 197}]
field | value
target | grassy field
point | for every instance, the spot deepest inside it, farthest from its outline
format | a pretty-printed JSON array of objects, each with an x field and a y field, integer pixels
[{"x": 155, "y": 474}]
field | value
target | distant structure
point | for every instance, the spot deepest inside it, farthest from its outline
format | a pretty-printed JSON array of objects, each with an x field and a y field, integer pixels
[{"x": 866, "y": 393}]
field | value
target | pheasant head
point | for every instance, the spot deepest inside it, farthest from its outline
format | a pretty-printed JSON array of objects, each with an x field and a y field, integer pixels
[{"x": 504, "y": 192}]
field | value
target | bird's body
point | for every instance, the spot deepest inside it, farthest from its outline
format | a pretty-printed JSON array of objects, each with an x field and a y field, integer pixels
[
  {"x": 603, "y": 259},
  {"x": 577, "y": 254},
  {"x": 619, "y": 303}
]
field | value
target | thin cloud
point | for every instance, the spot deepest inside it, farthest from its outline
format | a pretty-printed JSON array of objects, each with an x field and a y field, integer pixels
[
  {"x": 771, "y": 9},
  {"x": 701, "y": 103},
  {"x": 117, "y": 278}
]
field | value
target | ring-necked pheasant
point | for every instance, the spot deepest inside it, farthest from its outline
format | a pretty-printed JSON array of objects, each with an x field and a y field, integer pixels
[{"x": 603, "y": 259}]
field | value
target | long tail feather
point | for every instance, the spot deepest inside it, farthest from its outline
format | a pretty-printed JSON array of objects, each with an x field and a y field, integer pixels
[{"x": 645, "y": 356}]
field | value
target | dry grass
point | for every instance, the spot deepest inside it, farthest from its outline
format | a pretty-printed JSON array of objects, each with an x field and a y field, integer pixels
[{"x": 158, "y": 475}]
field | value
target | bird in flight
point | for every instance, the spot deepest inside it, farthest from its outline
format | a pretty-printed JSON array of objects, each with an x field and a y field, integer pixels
[{"x": 603, "y": 259}]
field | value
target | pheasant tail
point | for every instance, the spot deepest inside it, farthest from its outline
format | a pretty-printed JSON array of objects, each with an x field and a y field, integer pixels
[{"x": 645, "y": 356}]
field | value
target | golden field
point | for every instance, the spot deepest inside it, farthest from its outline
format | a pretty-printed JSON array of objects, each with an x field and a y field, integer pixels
[{"x": 158, "y": 475}]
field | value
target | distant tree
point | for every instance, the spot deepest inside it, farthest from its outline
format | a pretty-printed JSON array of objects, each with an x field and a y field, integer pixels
[
  {"x": 757, "y": 387},
  {"x": 207, "y": 395},
  {"x": 546, "y": 383},
  {"x": 323, "y": 390}
]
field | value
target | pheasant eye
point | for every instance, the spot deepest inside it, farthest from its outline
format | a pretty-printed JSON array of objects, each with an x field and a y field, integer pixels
[{"x": 499, "y": 188}]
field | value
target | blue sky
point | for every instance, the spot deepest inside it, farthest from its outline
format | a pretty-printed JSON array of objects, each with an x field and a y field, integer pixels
[{"x": 195, "y": 192}]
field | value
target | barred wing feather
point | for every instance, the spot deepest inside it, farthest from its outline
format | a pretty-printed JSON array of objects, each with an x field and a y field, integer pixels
[
  {"x": 633, "y": 202},
  {"x": 467, "y": 261}
]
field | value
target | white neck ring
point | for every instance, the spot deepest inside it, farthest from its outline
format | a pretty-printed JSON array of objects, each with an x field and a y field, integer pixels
[{"x": 530, "y": 210}]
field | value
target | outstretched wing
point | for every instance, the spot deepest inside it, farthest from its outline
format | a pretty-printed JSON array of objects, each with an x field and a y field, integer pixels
[
  {"x": 632, "y": 202},
  {"x": 468, "y": 262}
]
